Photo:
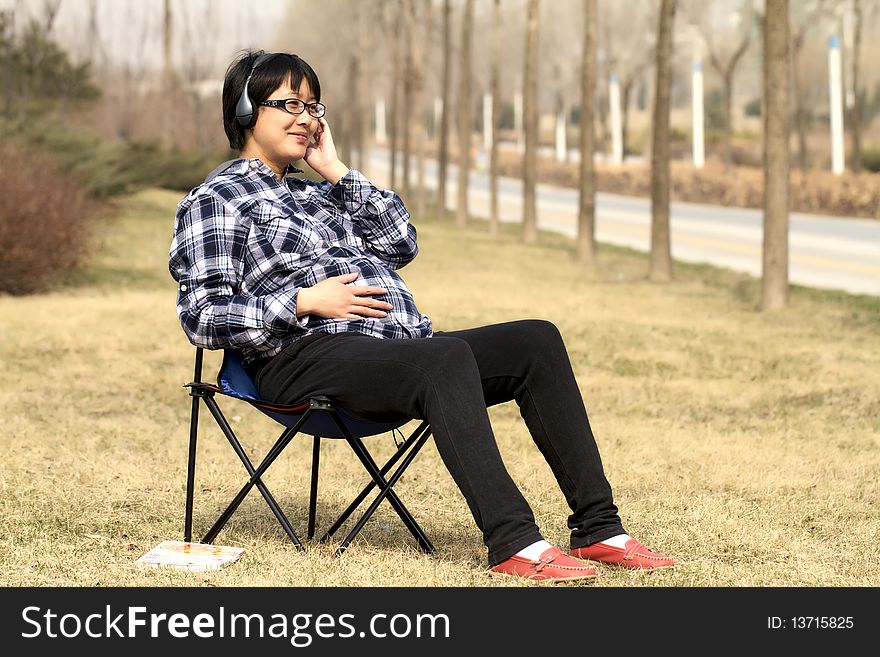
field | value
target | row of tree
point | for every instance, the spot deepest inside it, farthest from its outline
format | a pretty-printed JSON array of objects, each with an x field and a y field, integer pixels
[
  {"x": 776, "y": 72},
  {"x": 409, "y": 26},
  {"x": 726, "y": 42}
]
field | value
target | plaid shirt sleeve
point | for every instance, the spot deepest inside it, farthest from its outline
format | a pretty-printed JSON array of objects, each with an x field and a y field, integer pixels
[
  {"x": 381, "y": 215},
  {"x": 207, "y": 260}
]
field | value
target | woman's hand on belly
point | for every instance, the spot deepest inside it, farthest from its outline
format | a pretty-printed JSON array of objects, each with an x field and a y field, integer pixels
[{"x": 335, "y": 299}]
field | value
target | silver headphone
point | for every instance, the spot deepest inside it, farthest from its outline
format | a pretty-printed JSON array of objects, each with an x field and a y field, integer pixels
[{"x": 244, "y": 108}]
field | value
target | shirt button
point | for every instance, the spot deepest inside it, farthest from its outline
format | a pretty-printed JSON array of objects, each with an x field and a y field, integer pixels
[
  {"x": 253, "y": 164},
  {"x": 183, "y": 288}
]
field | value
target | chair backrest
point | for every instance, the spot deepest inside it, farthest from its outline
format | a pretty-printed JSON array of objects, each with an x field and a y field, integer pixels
[{"x": 235, "y": 381}]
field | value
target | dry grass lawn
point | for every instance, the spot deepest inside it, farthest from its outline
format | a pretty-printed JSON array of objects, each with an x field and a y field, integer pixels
[{"x": 746, "y": 445}]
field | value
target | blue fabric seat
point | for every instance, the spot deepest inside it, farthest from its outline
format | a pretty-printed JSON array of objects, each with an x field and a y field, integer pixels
[
  {"x": 319, "y": 417},
  {"x": 235, "y": 381}
]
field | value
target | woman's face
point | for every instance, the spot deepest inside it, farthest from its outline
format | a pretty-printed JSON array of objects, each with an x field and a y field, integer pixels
[{"x": 279, "y": 138}]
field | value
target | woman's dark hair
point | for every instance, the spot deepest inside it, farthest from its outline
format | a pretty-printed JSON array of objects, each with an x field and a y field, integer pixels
[{"x": 269, "y": 75}]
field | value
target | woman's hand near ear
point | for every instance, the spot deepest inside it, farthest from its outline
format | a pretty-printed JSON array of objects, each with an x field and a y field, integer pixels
[{"x": 321, "y": 154}]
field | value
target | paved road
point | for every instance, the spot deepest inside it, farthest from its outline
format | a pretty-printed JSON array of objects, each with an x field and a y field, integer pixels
[{"x": 825, "y": 252}]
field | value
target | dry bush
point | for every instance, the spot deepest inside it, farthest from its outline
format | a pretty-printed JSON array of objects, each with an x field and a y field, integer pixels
[
  {"x": 819, "y": 192},
  {"x": 43, "y": 222}
]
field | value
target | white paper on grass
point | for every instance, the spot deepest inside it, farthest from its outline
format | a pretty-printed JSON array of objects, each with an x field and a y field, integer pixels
[{"x": 189, "y": 556}]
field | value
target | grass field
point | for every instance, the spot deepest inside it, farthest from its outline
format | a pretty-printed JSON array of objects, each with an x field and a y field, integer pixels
[{"x": 745, "y": 445}]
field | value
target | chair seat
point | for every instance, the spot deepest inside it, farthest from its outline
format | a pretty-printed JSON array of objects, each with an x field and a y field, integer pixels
[{"x": 235, "y": 381}]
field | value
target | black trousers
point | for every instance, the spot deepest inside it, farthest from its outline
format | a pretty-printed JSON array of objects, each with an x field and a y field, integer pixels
[{"x": 450, "y": 379}]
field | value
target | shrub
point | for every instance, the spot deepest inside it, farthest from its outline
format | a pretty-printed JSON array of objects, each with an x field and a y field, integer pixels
[
  {"x": 110, "y": 168},
  {"x": 871, "y": 159},
  {"x": 43, "y": 221}
]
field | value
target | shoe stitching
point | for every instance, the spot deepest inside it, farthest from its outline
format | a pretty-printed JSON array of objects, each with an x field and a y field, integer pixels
[
  {"x": 541, "y": 564},
  {"x": 626, "y": 557}
]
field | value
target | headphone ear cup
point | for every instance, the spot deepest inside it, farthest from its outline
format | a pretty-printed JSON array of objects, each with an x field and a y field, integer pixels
[{"x": 244, "y": 108}]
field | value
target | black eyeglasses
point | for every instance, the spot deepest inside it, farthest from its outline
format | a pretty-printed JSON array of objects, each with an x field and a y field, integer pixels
[{"x": 296, "y": 106}]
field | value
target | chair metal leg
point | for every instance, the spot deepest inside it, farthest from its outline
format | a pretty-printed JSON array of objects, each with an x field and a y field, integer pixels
[
  {"x": 423, "y": 427},
  {"x": 421, "y": 537},
  {"x": 255, "y": 474},
  {"x": 191, "y": 461},
  {"x": 191, "y": 470},
  {"x": 313, "y": 494},
  {"x": 370, "y": 464}
]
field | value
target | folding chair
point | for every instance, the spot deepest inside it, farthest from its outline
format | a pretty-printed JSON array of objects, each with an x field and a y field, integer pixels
[{"x": 319, "y": 417}]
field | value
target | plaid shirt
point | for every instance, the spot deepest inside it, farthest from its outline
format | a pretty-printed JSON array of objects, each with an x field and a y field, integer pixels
[{"x": 245, "y": 242}]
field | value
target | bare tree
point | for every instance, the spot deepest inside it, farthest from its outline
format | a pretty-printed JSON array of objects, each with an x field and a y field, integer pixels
[
  {"x": 365, "y": 45},
  {"x": 586, "y": 234},
  {"x": 7, "y": 31},
  {"x": 626, "y": 55},
  {"x": 661, "y": 256},
  {"x": 409, "y": 40},
  {"x": 95, "y": 49},
  {"x": 168, "y": 76},
  {"x": 34, "y": 57},
  {"x": 128, "y": 92},
  {"x": 350, "y": 123},
  {"x": 774, "y": 280},
  {"x": 50, "y": 13},
  {"x": 392, "y": 21},
  {"x": 197, "y": 54},
  {"x": 412, "y": 119},
  {"x": 856, "y": 109},
  {"x": 464, "y": 114},
  {"x": 443, "y": 147},
  {"x": 418, "y": 71},
  {"x": 495, "y": 90},
  {"x": 798, "y": 39},
  {"x": 725, "y": 66},
  {"x": 628, "y": 80},
  {"x": 530, "y": 125}
]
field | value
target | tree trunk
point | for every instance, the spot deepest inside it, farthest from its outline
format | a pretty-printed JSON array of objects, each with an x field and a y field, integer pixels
[
  {"x": 395, "y": 84},
  {"x": 856, "y": 112},
  {"x": 407, "y": 108},
  {"x": 800, "y": 116},
  {"x": 365, "y": 45},
  {"x": 774, "y": 280},
  {"x": 419, "y": 104},
  {"x": 167, "y": 77},
  {"x": 586, "y": 233},
  {"x": 443, "y": 163},
  {"x": 727, "y": 71},
  {"x": 625, "y": 94},
  {"x": 604, "y": 130},
  {"x": 9, "y": 36},
  {"x": 495, "y": 84},
  {"x": 728, "y": 119},
  {"x": 464, "y": 115},
  {"x": 661, "y": 256},
  {"x": 350, "y": 121},
  {"x": 530, "y": 126}
]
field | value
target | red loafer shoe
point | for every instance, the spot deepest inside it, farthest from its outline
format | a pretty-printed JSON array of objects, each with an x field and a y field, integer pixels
[
  {"x": 553, "y": 565},
  {"x": 632, "y": 555}
]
